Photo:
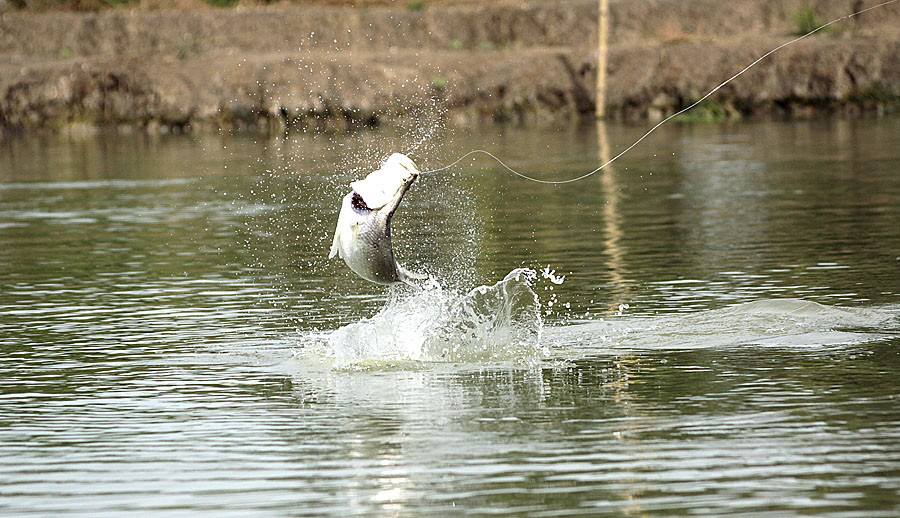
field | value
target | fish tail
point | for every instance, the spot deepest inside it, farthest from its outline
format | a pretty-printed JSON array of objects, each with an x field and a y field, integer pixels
[{"x": 411, "y": 278}]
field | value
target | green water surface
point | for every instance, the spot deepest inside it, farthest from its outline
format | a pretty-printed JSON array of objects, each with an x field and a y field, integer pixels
[{"x": 726, "y": 341}]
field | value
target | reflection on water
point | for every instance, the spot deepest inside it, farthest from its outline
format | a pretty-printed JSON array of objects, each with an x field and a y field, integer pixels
[{"x": 166, "y": 309}]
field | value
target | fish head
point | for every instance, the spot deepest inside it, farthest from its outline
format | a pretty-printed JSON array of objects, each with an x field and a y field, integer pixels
[
  {"x": 385, "y": 187},
  {"x": 372, "y": 202}
]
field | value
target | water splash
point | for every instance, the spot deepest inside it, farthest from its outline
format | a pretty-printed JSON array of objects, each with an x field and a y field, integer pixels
[
  {"x": 497, "y": 323},
  {"x": 782, "y": 323}
]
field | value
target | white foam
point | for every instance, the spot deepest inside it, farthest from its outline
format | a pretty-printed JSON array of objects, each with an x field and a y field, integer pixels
[
  {"x": 497, "y": 323},
  {"x": 785, "y": 323}
]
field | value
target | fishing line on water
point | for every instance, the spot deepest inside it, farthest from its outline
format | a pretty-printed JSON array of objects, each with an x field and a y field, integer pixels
[{"x": 667, "y": 119}]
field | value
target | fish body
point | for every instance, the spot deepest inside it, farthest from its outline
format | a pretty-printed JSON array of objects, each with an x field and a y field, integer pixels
[{"x": 362, "y": 237}]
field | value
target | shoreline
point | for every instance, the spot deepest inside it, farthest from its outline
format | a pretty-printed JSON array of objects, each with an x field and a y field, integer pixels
[{"x": 324, "y": 68}]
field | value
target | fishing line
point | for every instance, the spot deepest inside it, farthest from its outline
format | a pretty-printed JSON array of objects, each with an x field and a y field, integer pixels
[{"x": 667, "y": 119}]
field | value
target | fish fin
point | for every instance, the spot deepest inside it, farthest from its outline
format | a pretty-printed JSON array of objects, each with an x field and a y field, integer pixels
[
  {"x": 342, "y": 215},
  {"x": 335, "y": 245}
]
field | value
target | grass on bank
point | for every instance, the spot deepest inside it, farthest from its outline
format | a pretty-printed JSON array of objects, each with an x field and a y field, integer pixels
[
  {"x": 806, "y": 21},
  {"x": 706, "y": 112}
]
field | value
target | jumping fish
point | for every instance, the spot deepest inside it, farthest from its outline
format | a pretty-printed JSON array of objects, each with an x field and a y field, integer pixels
[{"x": 363, "y": 234}]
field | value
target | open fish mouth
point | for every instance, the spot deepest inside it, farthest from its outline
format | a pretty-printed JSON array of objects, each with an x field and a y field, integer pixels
[
  {"x": 377, "y": 189},
  {"x": 359, "y": 204}
]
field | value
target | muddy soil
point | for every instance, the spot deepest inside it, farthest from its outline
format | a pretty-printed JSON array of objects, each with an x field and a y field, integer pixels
[{"x": 326, "y": 67}]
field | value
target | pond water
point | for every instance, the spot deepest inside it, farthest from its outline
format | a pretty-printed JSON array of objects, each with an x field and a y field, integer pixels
[{"x": 725, "y": 339}]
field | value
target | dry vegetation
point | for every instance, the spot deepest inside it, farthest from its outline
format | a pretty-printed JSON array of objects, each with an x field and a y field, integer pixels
[
  {"x": 308, "y": 65},
  {"x": 99, "y": 5}
]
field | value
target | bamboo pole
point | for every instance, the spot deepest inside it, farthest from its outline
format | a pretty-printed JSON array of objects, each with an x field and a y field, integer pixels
[{"x": 602, "y": 57}]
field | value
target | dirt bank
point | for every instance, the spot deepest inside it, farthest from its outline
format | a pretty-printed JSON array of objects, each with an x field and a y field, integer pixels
[{"x": 327, "y": 67}]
